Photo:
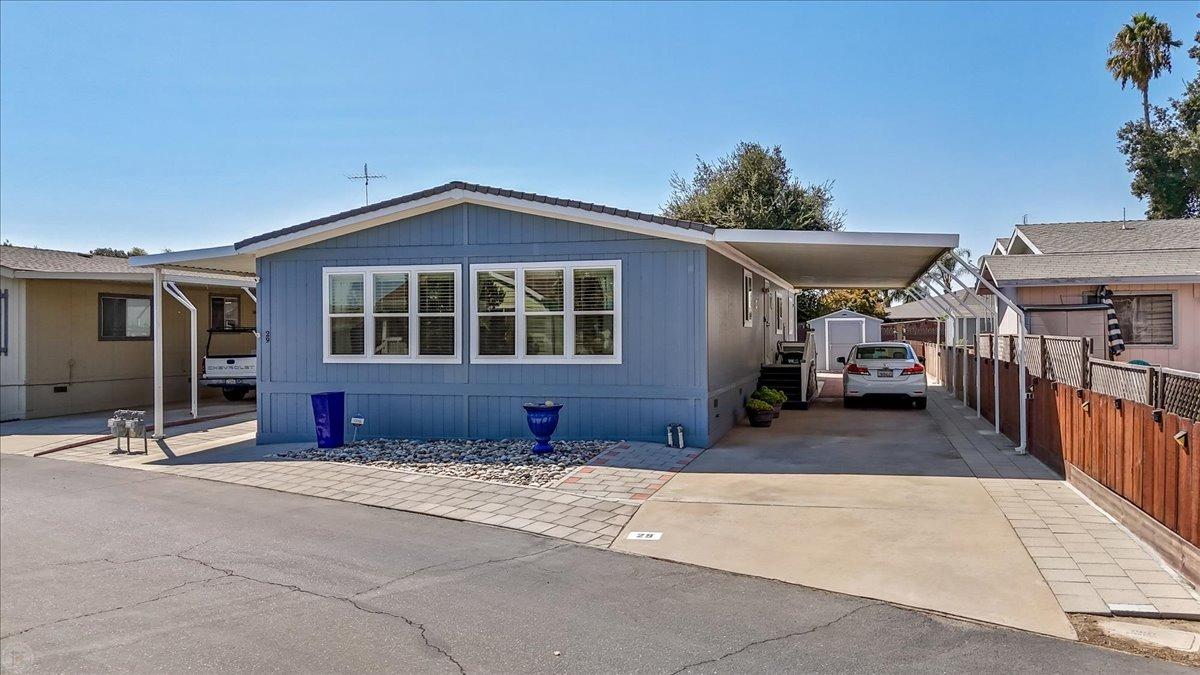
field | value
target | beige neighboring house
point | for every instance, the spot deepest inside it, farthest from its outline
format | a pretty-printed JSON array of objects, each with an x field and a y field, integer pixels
[
  {"x": 75, "y": 331},
  {"x": 1055, "y": 272}
]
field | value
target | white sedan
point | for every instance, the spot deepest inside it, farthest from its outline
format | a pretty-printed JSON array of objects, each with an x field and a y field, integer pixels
[{"x": 883, "y": 369}]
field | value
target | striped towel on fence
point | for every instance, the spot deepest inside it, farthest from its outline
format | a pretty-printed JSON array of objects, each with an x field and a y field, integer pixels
[{"x": 1115, "y": 344}]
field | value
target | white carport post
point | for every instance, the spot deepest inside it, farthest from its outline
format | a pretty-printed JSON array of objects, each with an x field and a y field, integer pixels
[
  {"x": 1023, "y": 448},
  {"x": 178, "y": 295},
  {"x": 937, "y": 339},
  {"x": 157, "y": 283},
  {"x": 995, "y": 362},
  {"x": 945, "y": 307}
]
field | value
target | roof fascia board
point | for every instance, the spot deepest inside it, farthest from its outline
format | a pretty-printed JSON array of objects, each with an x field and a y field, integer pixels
[
  {"x": 749, "y": 263},
  {"x": 191, "y": 255},
  {"x": 1094, "y": 281},
  {"x": 134, "y": 277},
  {"x": 459, "y": 196},
  {"x": 817, "y": 237},
  {"x": 1017, "y": 233},
  {"x": 138, "y": 277}
]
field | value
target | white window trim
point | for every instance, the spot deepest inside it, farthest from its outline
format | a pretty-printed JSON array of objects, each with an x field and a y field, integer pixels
[
  {"x": 568, "y": 313},
  {"x": 369, "y": 315},
  {"x": 747, "y": 298}
]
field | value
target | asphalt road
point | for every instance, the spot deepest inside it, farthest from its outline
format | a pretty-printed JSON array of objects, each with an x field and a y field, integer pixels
[{"x": 105, "y": 569}]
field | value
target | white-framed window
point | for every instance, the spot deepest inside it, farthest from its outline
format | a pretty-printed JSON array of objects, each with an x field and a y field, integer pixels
[
  {"x": 546, "y": 312},
  {"x": 780, "y": 317},
  {"x": 391, "y": 314},
  {"x": 747, "y": 298},
  {"x": 1146, "y": 319}
]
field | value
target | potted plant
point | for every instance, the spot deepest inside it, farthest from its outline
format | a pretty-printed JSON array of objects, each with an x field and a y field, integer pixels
[
  {"x": 759, "y": 412},
  {"x": 774, "y": 397}
]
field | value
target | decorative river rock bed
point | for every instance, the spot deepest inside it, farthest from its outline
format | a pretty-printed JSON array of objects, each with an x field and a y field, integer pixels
[{"x": 505, "y": 461}]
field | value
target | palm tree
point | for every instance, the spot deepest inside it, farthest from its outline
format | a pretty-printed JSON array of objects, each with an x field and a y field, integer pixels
[{"x": 1140, "y": 52}]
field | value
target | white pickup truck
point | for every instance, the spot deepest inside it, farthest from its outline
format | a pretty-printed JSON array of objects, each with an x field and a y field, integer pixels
[{"x": 234, "y": 374}]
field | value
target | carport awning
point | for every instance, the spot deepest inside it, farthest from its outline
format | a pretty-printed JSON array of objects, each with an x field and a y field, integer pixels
[{"x": 841, "y": 259}]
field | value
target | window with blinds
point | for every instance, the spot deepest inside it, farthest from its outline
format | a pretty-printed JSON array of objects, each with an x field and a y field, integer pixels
[
  {"x": 1146, "y": 319},
  {"x": 392, "y": 314},
  {"x": 552, "y": 312}
]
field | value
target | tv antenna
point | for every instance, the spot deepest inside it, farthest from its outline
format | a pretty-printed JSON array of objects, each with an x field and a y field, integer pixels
[{"x": 366, "y": 179}]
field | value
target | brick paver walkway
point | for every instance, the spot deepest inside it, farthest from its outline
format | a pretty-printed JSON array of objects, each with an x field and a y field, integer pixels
[
  {"x": 1091, "y": 563},
  {"x": 630, "y": 470},
  {"x": 228, "y": 454}
]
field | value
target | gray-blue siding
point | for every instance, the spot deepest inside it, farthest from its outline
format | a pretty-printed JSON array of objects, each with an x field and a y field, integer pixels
[
  {"x": 736, "y": 352},
  {"x": 662, "y": 377}
]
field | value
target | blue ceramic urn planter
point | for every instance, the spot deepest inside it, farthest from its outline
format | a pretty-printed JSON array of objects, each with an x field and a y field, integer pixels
[{"x": 543, "y": 420}]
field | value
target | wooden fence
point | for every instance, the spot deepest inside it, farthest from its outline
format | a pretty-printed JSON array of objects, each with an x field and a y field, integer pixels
[{"x": 1146, "y": 455}]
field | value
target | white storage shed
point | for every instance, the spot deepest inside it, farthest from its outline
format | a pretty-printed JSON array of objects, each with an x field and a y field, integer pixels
[{"x": 834, "y": 334}]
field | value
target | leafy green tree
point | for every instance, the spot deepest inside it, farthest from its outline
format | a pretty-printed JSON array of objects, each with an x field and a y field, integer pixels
[
  {"x": 1140, "y": 52},
  {"x": 1164, "y": 157},
  {"x": 752, "y": 188},
  {"x": 118, "y": 252}
]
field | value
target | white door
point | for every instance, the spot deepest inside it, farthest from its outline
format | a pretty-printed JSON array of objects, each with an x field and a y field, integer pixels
[{"x": 840, "y": 336}]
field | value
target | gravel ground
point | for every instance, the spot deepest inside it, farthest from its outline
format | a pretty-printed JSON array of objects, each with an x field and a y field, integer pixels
[{"x": 506, "y": 461}]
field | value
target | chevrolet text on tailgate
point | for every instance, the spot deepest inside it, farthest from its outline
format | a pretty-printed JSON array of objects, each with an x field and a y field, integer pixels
[{"x": 234, "y": 374}]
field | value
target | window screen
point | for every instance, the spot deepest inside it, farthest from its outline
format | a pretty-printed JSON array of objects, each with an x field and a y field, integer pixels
[
  {"x": 1145, "y": 319},
  {"x": 125, "y": 317}
]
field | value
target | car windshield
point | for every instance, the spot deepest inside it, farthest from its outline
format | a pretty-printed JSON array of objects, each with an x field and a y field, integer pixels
[{"x": 867, "y": 352}]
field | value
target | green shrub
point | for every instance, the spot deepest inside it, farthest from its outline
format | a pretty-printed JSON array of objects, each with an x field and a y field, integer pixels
[
  {"x": 771, "y": 396},
  {"x": 758, "y": 405}
]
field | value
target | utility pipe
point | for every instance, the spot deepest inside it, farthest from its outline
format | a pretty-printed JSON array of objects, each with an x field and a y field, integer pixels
[{"x": 1023, "y": 448}]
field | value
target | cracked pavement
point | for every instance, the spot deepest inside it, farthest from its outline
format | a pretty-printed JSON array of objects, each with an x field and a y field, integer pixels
[{"x": 102, "y": 571}]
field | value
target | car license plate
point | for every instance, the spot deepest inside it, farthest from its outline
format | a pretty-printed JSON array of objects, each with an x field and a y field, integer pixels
[{"x": 883, "y": 372}]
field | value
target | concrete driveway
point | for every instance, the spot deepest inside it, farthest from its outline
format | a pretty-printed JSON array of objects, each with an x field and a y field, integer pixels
[{"x": 872, "y": 502}]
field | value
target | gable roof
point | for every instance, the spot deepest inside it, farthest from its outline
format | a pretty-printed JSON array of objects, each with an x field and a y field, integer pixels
[
  {"x": 44, "y": 263},
  {"x": 842, "y": 312},
  {"x": 1113, "y": 235},
  {"x": 481, "y": 189},
  {"x": 48, "y": 260},
  {"x": 1094, "y": 268}
]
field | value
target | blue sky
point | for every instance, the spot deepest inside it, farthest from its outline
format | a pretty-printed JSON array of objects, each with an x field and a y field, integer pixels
[{"x": 188, "y": 125}]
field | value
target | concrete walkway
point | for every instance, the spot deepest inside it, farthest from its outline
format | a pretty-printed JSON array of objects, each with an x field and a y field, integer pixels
[
  {"x": 226, "y": 452},
  {"x": 872, "y": 502},
  {"x": 30, "y": 437},
  {"x": 1092, "y": 563}
]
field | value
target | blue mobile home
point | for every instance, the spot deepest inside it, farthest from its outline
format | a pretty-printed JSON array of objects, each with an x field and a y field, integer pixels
[{"x": 439, "y": 313}]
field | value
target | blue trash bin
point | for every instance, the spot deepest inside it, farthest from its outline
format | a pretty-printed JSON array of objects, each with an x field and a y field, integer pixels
[{"x": 329, "y": 414}]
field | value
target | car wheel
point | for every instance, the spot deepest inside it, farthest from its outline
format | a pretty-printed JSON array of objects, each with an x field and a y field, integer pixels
[
  {"x": 848, "y": 402},
  {"x": 920, "y": 403},
  {"x": 234, "y": 393}
]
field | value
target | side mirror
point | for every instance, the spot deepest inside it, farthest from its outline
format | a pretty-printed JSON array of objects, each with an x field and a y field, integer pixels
[
  {"x": 842, "y": 360},
  {"x": 921, "y": 359}
]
